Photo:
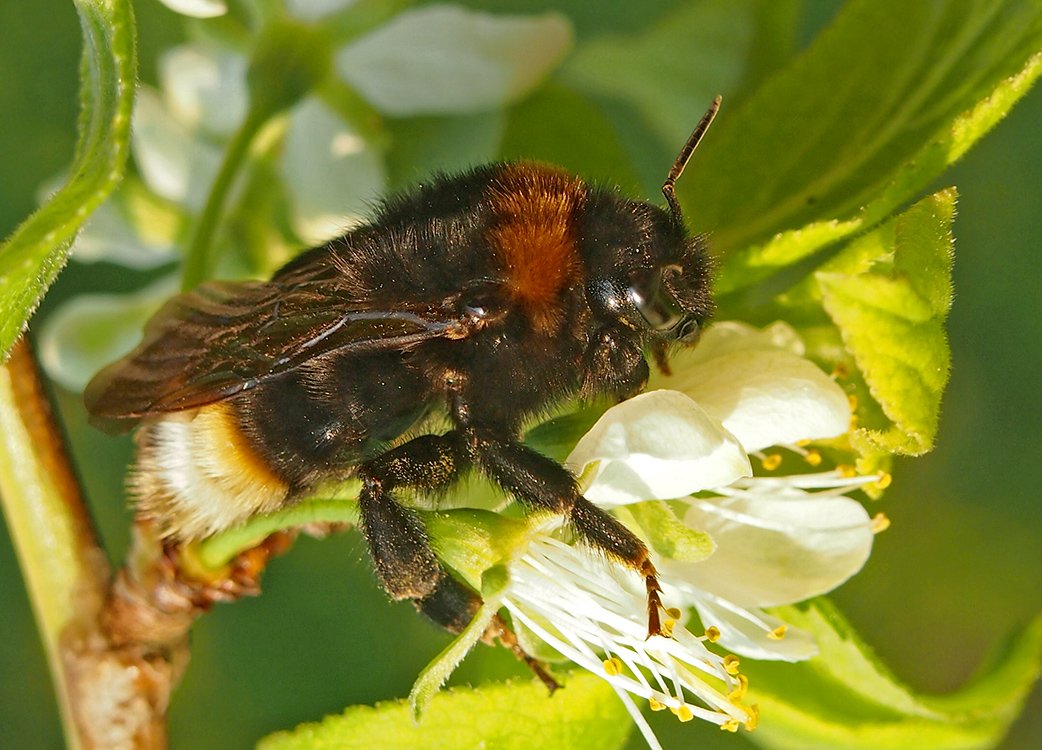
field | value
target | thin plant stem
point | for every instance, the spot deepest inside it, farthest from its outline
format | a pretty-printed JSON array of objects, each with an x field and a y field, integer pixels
[{"x": 199, "y": 258}]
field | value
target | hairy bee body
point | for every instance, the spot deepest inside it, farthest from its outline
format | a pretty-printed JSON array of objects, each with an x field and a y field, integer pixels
[{"x": 485, "y": 297}]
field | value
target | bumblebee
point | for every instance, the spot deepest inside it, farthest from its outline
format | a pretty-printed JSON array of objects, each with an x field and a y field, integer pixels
[{"x": 487, "y": 297}]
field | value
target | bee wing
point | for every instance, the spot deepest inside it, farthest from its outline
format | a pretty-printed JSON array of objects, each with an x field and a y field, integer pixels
[{"x": 226, "y": 337}]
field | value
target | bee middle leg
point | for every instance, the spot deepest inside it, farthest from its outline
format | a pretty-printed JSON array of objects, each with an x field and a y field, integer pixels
[
  {"x": 541, "y": 482},
  {"x": 401, "y": 551}
]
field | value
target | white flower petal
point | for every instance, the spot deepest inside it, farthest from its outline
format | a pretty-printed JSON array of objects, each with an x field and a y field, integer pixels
[
  {"x": 656, "y": 446},
  {"x": 445, "y": 59},
  {"x": 91, "y": 330},
  {"x": 732, "y": 336},
  {"x": 764, "y": 396},
  {"x": 313, "y": 10},
  {"x": 205, "y": 87},
  {"x": 333, "y": 175},
  {"x": 197, "y": 8},
  {"x": 174, "y": 163},
  {"x": 777, "y": 549}
]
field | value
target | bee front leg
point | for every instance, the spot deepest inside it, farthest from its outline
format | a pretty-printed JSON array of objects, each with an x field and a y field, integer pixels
[
  {"x": 614, "y": 364},
  {"x": 540, "y": 482}
]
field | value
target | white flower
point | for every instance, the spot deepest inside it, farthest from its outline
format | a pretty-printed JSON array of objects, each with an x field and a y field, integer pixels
[
  {"x": 593, "y": 612},
  {"x": 775, "y": 540}
]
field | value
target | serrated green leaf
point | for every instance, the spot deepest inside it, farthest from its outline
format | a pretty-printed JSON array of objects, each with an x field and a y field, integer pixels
[
  {"x": 891, "y": 317},
  {"x": 882, "y": 102},
  {"x": 32, "y": 257},
  {"x": 844, "y": 699},
  {"x": 512, "y": 716}
]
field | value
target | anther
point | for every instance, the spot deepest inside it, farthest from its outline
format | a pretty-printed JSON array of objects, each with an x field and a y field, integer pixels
[
  {"x": 656, "y": 705},
  {"x": 731, "y": 663},
  {"x": 880, "y": 523},
  {"x": 778, "y": 633},
  {"x": 771, "y": 461},
  {"x": 712, "y": 634},
  {"x": 884, "y": 481},
  {"x": 753, "y": 712},
  {"x": 813, "y": 457},
  {"x": 731, "y": 725},
  {"x": 613, "y": 666}
]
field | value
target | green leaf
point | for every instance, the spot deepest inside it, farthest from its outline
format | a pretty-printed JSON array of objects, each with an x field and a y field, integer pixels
[
  {"x": 511, "y": 716},
  {"x": 32, "y": 257},
  {"x": 844, "y": 699},
  {"x": 673, "y": 69},
  {"x": 881, "y": 104},
  {"x": 890, "y": 301},
  {"x": 561, "y": 126}
]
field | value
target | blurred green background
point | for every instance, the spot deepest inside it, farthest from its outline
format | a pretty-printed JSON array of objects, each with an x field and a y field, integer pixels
[{"x": 960, "y": 567}]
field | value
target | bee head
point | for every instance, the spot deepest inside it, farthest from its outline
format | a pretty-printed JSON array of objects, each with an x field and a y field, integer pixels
[
  {"x": 645, "y": 271},
  {"x": 657, "y": 282}
]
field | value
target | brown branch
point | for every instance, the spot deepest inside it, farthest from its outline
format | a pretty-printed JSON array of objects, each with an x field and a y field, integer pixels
[{"x": 117, "y": 649}]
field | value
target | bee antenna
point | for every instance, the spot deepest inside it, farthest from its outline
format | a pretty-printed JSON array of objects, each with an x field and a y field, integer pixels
[{"x": 669, "y": 186}]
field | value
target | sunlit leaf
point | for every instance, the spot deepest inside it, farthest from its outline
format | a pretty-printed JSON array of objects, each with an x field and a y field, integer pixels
[
  {"x": 844, "y": 699},
  {"x": 880, "y": 104},
  {"x": 513, "y": 716}
]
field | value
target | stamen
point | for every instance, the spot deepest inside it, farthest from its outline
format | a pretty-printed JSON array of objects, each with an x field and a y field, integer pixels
[
  {"x": 730, "y": 664},
  {"x": 852, "y": 400},
  {"x": 656, "y": 705},
  {"x": 613, "y": 666},
  {"x": 753, "y": 712},
  {"x": 778, "y": 633},
  {"x": 674, "y": 612},
  {"x": 813, "y": 457},
  {"x": 884, "y": 481},
  {"x": 847, "y": 471},
  {"x": 840, "y": 370},
  {"x": 736, "y": 695},
  {"x": 880, "y": 523},
  {"x": 731, "y": 725},
  {"x": 771, "y": 461},
  {"x": 712, "y": 634}
]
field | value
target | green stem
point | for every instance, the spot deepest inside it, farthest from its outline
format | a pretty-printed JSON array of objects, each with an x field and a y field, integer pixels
[
  {"x": 64, "y": 568},
  {"x": 218, "y": 551},
  {"x": 199, "y": 259}
]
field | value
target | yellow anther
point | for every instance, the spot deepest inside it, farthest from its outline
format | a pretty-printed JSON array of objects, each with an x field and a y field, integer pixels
[
  {"x": 854, "y": 421},
  {"x": 656, "y": 705},
  {"x": 884, "y": 481},
  {"x": 804, "y": 443},
  {"x": 753, "y": 712},
  {"x": 674, "y": 612},
  {"x": 880, "y": 523},
  {"x": 847, "y": 471},
  {"x": 852, "y": 400},
  {"x": 731, "y": 725},
  {"x": 712, "y": 634},
  {"x": 613, "y": 666},
  {"x": 771, "y": 461},
  {"x": 813, "y": 457},
  {"x": 684, "y": 713},
  {"x": 667, "y": 627},
  {"x": 736, "y": 695},
  {"x": 840, "y": 370},
  {"x": 778, "y": 633},
  {"x": 731, "y": 663}
]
